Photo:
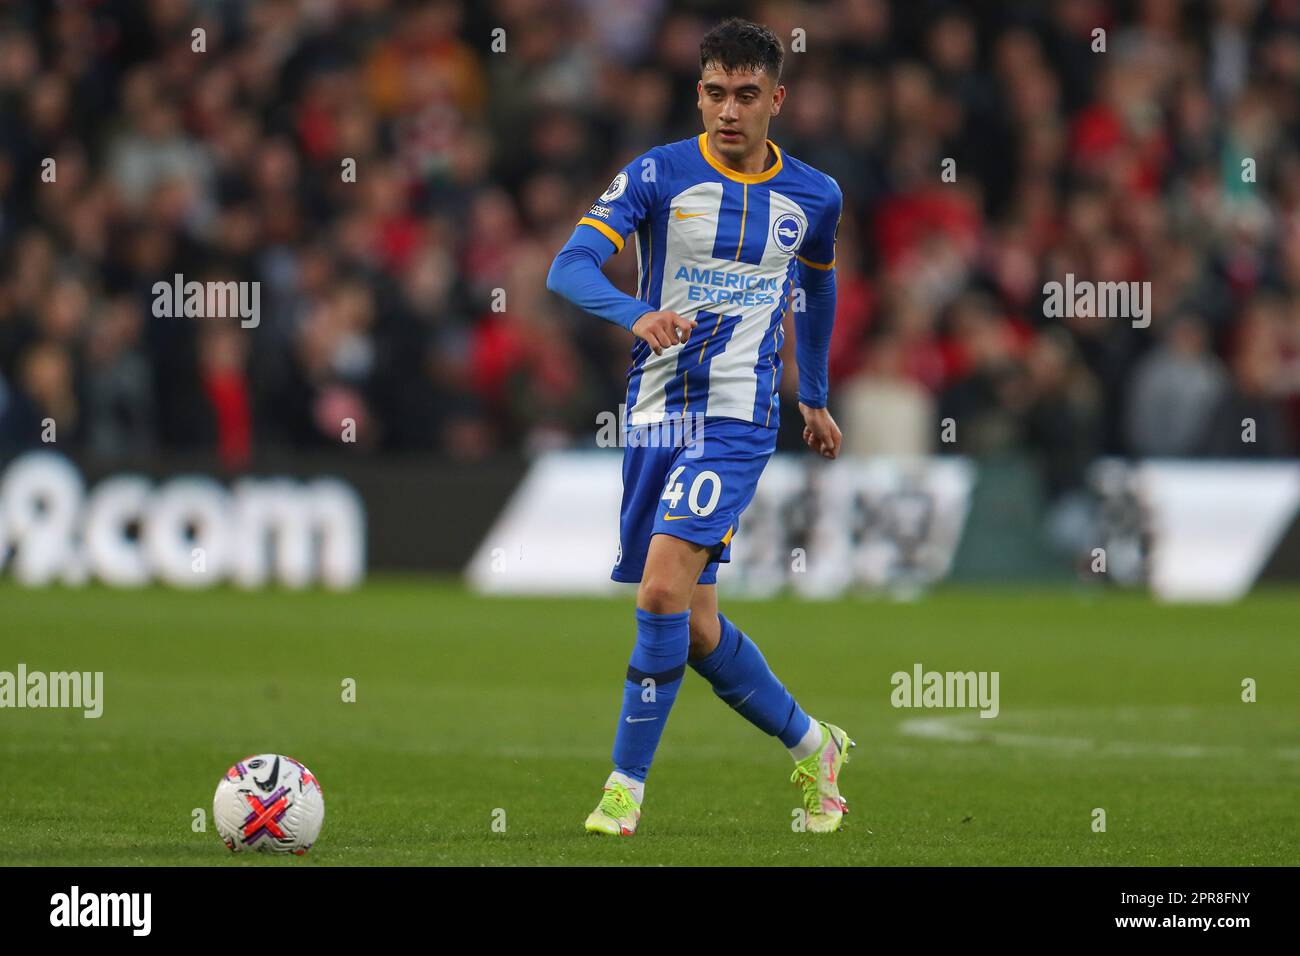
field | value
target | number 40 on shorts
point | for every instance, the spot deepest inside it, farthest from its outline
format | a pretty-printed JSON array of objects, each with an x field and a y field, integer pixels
[{"x": 705, "y": 480}]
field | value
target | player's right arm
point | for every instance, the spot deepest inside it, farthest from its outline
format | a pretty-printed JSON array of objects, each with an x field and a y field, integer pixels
[{"x": 576, "y": 272}]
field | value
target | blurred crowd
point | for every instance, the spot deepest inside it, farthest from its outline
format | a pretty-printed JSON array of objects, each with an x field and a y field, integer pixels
[{"x": 411, "y": 302}]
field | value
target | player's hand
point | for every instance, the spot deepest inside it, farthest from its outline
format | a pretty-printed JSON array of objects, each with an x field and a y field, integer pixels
[
  {"x": 820, "y": 433},
  {"x": 663, "y": 330}
]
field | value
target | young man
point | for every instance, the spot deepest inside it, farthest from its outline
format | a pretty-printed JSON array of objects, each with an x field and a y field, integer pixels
[{"x": 724, "y": 224}]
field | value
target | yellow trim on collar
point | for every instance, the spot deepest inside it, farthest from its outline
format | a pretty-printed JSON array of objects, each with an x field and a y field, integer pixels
[
  {"x": 604, "y": 230},
  {"x": 762, "y": 177}
]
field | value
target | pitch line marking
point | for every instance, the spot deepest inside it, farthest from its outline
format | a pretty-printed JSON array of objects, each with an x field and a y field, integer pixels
[{"x": 961, "y": 729}]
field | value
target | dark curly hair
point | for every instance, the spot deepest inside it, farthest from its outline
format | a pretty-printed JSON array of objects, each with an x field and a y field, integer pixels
[{"x": 738, "y": 44}]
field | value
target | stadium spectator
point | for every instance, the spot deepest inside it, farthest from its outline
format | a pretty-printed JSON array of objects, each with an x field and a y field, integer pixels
[{"x": 1176, "y": 388}]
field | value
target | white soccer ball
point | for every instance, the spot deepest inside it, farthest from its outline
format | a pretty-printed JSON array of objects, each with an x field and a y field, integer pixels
[{"x": 270, "y": 803}]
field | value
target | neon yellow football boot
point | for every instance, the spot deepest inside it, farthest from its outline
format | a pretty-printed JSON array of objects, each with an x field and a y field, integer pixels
[
  {"x": 618, "y": 812},
  {"x": 818, "y": 776}
]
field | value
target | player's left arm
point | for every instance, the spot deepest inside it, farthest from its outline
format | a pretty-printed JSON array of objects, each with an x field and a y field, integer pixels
[{"x": 813, "y": 325}]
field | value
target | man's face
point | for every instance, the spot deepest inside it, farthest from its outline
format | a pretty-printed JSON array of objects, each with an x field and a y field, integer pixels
[{"x": 737, "y": 108}]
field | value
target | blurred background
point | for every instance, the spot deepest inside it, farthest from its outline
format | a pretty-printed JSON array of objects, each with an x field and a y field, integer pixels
[{"x": 377, "y": 296}]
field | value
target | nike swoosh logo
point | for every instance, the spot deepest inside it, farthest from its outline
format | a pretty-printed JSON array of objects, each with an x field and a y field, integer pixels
[
  {"x": 688, "y": 215},
  {"x": 677, "y": 517},
  {"x": 269, "y": 783},
  {"x": 639, "y": 720},
  {"x": 747, "y": 696}
]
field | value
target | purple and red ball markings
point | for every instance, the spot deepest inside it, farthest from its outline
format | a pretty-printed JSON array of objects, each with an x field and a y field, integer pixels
[{"x": 266, "y": 816}]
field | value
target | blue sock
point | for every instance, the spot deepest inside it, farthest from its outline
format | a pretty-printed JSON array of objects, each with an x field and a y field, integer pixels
[
  {"x": 741, "y": 677},
  {"x": 653, "y": 676}
]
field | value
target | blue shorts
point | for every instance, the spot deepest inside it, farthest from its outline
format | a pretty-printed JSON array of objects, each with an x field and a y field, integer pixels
[{"x": 694, "y": 490}]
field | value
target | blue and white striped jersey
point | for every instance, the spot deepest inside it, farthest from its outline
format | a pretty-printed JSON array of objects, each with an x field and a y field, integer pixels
[{"x": 723, "y": 248}]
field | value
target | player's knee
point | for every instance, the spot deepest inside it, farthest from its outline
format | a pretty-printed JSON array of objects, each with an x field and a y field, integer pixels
[{"x": 658, "y": 596}]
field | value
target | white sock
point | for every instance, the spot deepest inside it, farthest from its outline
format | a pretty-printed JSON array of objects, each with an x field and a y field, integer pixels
[
  {"x": 635, "y": 787},
  {"x": 809, "y": 743}
]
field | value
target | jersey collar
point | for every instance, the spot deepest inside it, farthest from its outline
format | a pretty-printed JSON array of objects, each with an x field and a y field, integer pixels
[{"x": 762, "y": 177}]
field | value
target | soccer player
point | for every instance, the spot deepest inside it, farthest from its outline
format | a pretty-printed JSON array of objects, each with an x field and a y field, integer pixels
[{"x": 724, "y": 226}]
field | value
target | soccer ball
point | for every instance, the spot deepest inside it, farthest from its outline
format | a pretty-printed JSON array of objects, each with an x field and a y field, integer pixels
[{"x": 271, "y": 803}]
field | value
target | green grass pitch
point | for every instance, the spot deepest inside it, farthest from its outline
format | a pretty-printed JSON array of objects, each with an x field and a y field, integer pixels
[{"x": 467, "y": 706}]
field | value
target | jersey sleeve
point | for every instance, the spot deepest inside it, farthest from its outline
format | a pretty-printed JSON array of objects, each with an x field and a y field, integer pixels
[
  {"x": 618, "y": 212},
  {"x": 814, "y": 324},
  {"x": 818, "y": 251},
  {"x": 629, "y": 200},
  {"x": 575, "y": 274}
]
